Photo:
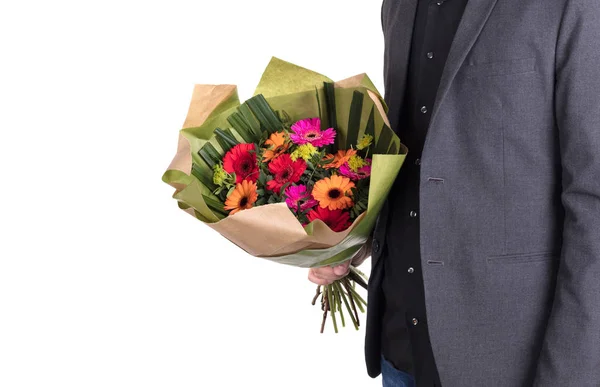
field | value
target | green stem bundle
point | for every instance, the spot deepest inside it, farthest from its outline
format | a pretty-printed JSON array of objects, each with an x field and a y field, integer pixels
[{"x": 341, "y": 292}]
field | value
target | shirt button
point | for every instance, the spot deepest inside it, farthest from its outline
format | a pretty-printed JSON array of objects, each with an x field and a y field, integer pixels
[
  {"x": 415, "y": 321},
  {"x": 430, "y": 55},
  {"x": 423, "y": 109},
  {"x": 411, "y": 270},
  {"x": 413, "y": 214},
  {"x": 418, "y": 162},
  {"x": 376, "y": 246},
  {"x": 440, "y": 3}
]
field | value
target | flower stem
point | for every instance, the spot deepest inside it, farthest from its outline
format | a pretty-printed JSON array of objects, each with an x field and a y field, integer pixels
[
  {"x": 351, "y": 297},
  {"x": 325, "y": 306},
  {"x": 314, "y": 300},
  {"x": 338, "y": 297},
  {"x": 350, "y": 311},
  {"x": 332, "y": 307},
  {"x": 354, "y": 275},
  {"x": 360, "y": 300}
]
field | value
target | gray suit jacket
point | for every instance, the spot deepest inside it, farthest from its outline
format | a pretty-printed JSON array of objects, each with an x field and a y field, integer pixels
[{"x": 509, "y": 195}]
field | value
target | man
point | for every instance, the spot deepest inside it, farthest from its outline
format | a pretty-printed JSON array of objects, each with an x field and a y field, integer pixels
[{"x": 486, "y": 258}]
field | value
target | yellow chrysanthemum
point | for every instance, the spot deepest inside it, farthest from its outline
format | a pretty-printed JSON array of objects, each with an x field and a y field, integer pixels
[
  {"x": 356, "y": 162},
  {"x": 304, "y": 151},
  {"x": 219, "y": 175},
  {"x": 333, "y": 192},
  {"x": 364, "y": 142}
]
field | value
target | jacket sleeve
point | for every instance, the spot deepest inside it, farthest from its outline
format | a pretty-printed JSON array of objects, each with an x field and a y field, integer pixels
[{"x": 570, "y": 354}]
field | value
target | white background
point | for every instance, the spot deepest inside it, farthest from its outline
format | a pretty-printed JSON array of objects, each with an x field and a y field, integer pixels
[{"x": 103, "y": 280}]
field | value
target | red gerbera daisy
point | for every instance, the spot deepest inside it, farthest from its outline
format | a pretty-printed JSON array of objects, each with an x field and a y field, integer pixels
[
  {"x": 337, "y": 220},
  {"x": 285, "y": 171},
  {"x": 241, "y": 160}
]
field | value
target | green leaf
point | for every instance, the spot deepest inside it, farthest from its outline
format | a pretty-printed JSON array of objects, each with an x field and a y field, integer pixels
[
  {"x": 330, "y": 100},
  {"x": 264, "y": 113},
  {"x": 239, "y": 123},
  {"x": 244, "y": 122},
  {"x": 262, "y": 178},
  {"x": 210, "y": 155},
  {"x": 329, "y": 90},
  {"x": 328, "y": 160},
  {"x": 226, "y": 140},
  {"x": 283, "y": 188},
  {"x": 232, "y": 135},
  {"x": 230, "y": 191},
  {"x": 250, "y": 119},
  {"x": 354, "y": 119},
  {"x": 203, "y": 178},
  {"x": 215, "y": 205}
]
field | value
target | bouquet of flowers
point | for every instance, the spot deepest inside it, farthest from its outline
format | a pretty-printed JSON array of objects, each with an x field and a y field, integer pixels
[{"x": 297, "y": 174}]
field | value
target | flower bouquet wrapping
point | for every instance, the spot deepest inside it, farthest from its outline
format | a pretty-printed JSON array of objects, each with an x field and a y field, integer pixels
[{"x": 297, "y": 174}]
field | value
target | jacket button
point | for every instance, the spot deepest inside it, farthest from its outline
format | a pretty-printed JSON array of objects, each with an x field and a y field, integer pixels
[{"x": 376, "y": 246}]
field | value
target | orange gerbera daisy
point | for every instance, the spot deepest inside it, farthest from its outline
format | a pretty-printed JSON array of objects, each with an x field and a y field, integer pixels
[
  {"x": 277, "y": 144},
  {"x": 242, "y": 198},
  {"x": 340, "y": 158},
  {"x": 333, "y": 192}
]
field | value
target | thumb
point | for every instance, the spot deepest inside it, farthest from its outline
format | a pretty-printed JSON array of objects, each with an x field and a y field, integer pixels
[{"x": 342, "y": 269}]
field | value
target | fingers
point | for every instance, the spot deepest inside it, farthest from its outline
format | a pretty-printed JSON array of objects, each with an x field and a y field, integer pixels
[
  {"x": 328, "y": 274},
  {"x": 314, "y": 279},
  {"x": 343, "y": 269}
]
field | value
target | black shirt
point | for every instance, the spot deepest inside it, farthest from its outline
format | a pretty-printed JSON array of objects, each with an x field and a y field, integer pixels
[{"x": 405, "y": 337}]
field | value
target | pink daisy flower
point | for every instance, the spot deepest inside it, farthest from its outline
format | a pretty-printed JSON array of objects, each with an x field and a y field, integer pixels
[
  {"x": 299, "y": 198},
  {"x": 309, "y": 131},
  {"x": 361, "y": 173}
]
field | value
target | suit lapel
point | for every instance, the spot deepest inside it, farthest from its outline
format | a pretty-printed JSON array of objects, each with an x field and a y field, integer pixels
[
  {"x": 475, "y": 16},
  {"x": 398, "y": 19}
]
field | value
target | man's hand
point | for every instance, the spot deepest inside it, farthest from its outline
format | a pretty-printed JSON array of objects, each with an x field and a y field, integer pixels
[{"x": 329, "y": 274}]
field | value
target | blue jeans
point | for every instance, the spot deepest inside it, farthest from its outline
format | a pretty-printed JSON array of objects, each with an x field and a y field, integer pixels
[{"x": 393, "y": 377}]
